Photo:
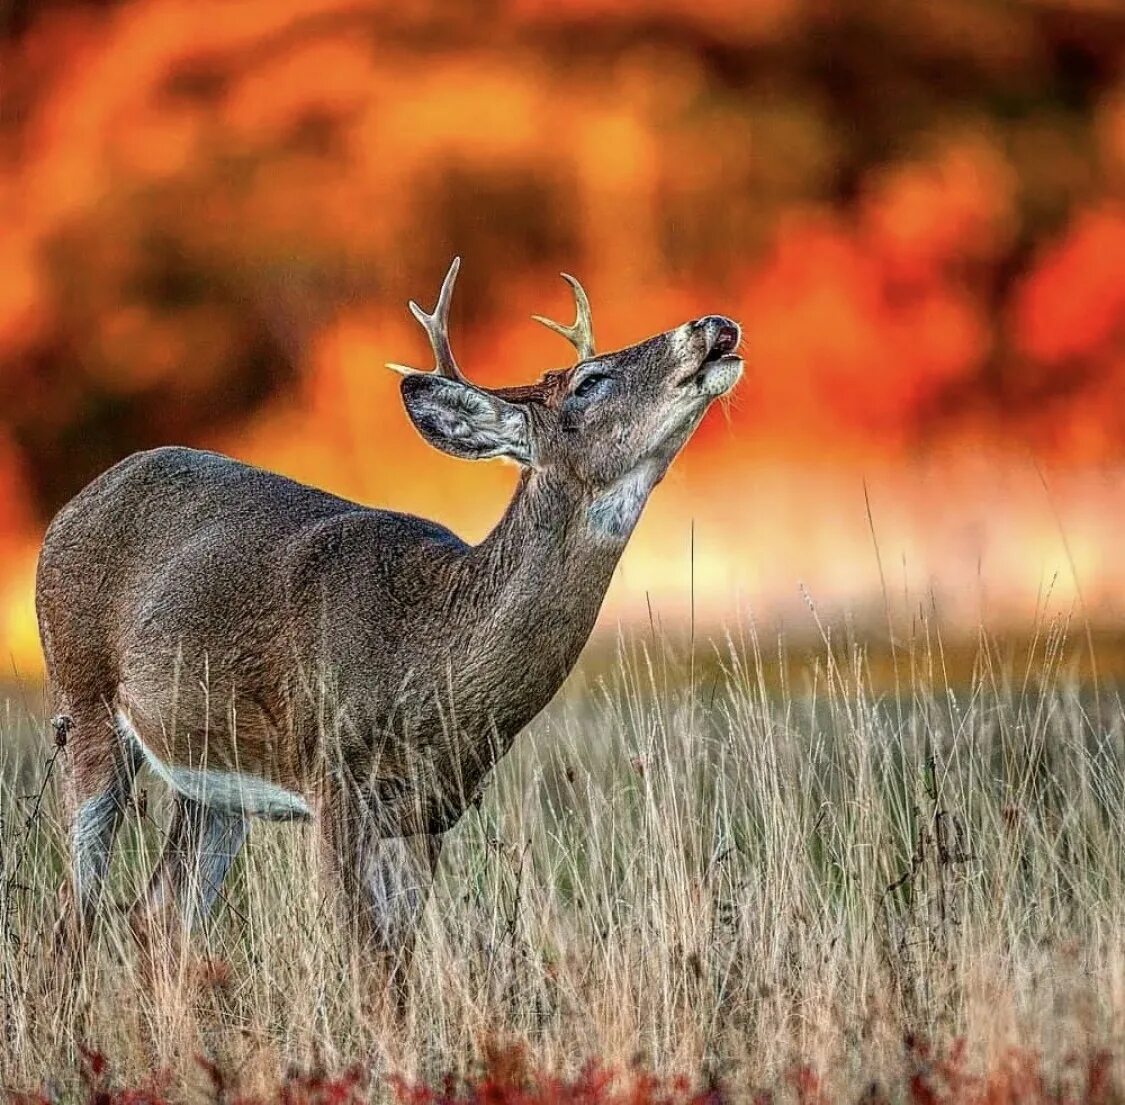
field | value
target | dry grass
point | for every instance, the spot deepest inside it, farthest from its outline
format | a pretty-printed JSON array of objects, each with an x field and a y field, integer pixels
[{"x": 699, "y": 872}]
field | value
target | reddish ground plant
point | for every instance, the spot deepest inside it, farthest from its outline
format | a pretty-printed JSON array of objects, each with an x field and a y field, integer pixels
[
  {"x": 935, "y": 1077},
  {"x": 507, "y": 1076}
]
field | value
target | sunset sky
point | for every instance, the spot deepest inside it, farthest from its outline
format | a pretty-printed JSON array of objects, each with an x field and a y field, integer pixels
[{"x": 215, "y": 214}]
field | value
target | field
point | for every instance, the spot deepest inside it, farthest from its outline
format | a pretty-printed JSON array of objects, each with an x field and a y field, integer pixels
[{"x": 764, "y": 867}]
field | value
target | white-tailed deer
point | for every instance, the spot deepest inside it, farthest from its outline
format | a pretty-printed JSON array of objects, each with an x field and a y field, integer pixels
[{"x": 270, "y": 650}]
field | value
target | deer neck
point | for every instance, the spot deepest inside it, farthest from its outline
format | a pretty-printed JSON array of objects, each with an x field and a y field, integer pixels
[{"x": 541, "y": 576}]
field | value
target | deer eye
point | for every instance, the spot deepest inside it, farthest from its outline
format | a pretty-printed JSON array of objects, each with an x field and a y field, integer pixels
[{"x": 587, "y": 386}]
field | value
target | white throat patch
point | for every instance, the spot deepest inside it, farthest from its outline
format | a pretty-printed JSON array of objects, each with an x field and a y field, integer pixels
[{"x": 614, "y": 513}]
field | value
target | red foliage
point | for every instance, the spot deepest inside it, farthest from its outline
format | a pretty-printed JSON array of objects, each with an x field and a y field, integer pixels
[
  {"x": 507, "y": 1078},
  {"x": 928, "y": 1076},
  {"x": 944, "y": 1078}
]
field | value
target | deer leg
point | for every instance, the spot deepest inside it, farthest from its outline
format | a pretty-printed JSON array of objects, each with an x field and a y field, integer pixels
[
  {"x": 396, "y": 876},
  {"x": 384, "y": 883},
  {"x": 98, "y": 771},
  {"x": 202, "y": 845}
]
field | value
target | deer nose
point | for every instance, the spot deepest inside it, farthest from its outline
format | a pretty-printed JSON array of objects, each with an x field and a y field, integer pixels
[{"x": 723, "y": 334}]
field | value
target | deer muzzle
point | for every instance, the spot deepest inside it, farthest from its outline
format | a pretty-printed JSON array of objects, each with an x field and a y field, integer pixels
[{"x": 719, "y": 367}]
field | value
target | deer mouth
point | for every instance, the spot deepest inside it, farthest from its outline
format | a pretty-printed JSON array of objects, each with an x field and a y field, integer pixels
[
  {"x": 723, "y": 344},
  {"x": 719, "y": 376},
  {"x": 715, "y": 377},
  {"x": 720, "y": 359},
  {"x": 721, "y": 366}
]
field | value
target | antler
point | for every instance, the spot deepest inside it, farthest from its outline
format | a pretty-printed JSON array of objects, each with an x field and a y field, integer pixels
[
  {"x": 436, "y": 326},
  {"x": 581, "y": 334}
]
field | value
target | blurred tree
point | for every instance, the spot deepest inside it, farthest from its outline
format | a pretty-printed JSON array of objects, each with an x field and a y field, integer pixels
[{"x": 913, "y": 205}]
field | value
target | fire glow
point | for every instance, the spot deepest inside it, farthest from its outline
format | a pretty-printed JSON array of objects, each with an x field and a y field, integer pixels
[{"x": 217, "y": 214}]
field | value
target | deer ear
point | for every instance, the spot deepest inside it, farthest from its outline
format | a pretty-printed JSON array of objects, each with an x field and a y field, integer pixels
[{"x": 465, "y": 421}]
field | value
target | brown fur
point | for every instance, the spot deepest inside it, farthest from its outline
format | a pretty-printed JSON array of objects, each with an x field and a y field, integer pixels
[{"x": 369, "y": 661}]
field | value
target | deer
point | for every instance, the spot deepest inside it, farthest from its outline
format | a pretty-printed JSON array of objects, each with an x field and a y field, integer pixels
[{"x": 271, "y": 651}]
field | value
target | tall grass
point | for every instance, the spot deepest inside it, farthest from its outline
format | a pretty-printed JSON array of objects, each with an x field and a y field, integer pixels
[{"x": 734, "y": 862}]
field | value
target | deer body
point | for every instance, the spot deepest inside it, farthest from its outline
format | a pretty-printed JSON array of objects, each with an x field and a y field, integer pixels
[{"x": 272, "y": 650}]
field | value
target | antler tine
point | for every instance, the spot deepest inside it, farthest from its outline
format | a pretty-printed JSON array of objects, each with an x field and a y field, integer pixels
[
  {"x": 581, "y": 333},
  {"x": 436, "y": 326}
]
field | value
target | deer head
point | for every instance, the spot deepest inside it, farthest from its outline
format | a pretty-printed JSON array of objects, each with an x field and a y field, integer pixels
[{"x": 609, "y": 426}]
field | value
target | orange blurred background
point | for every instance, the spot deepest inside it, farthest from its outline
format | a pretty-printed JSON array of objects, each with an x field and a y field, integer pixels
[{"x": 214, "y": 213}]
